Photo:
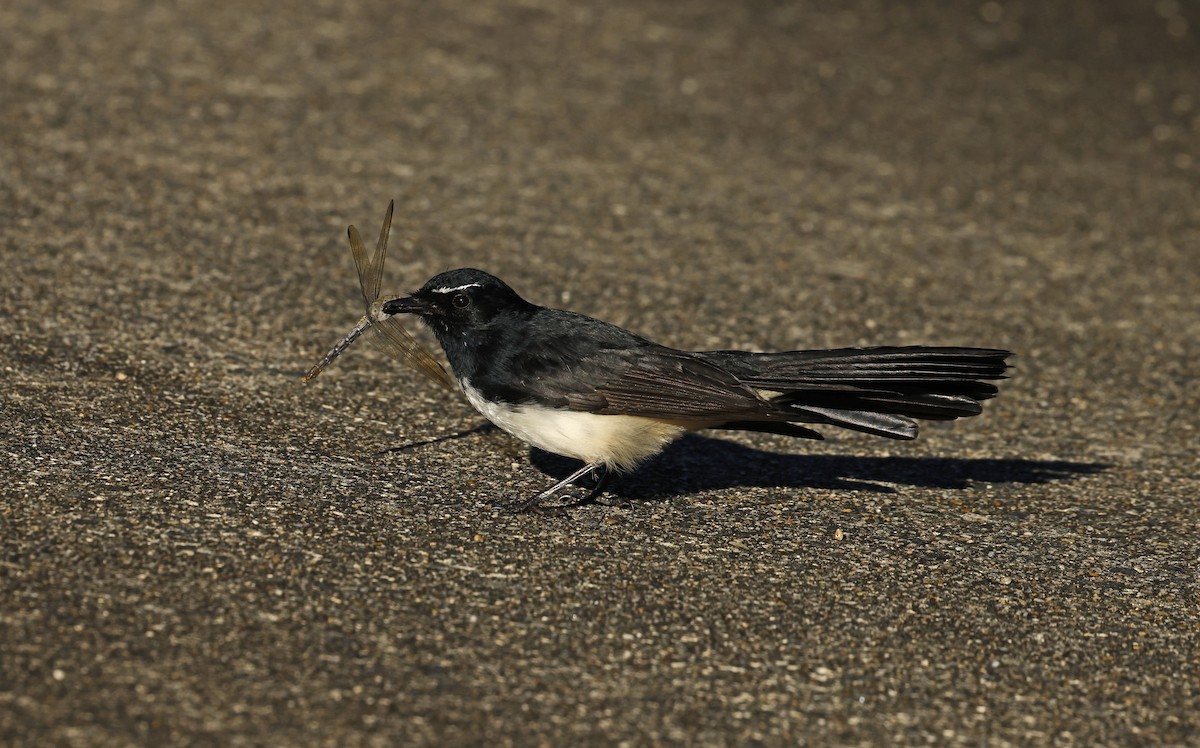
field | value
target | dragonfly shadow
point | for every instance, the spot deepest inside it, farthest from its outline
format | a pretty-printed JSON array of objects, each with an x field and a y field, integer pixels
[
  {"x": 698, "y": 463},
  {"x": 483, "y": 428}
]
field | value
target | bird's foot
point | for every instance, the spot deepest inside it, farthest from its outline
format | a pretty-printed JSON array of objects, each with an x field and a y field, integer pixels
[
  {"x": 566, "y": 493},
  {"x": 613, "y": 501}
]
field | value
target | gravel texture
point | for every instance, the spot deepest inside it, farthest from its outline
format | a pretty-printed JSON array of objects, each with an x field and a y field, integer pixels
[{"x": 197, "y": 549}]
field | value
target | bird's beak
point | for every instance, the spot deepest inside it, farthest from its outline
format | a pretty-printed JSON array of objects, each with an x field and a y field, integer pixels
[{"x": 408, "y": 305}]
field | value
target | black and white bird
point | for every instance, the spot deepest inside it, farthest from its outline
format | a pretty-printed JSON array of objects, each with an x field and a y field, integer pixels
[{"x": 576, "y": 386}]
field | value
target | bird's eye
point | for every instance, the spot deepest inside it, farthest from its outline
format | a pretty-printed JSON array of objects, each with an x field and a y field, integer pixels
[{"x": 460, "y": 301}]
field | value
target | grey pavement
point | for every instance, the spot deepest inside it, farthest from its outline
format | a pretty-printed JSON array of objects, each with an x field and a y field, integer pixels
[{"x": 199, "y": 550}]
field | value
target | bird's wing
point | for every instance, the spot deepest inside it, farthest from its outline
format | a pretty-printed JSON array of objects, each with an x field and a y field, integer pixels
[
  {"x": 659, "y": 382},
  {"x": 569, "y": 361}
]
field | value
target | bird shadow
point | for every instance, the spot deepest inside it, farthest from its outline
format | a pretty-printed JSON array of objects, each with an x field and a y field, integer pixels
[{"x": 697, "y": 463}]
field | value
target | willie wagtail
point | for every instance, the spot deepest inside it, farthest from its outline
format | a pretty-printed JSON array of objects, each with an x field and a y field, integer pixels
[{"x": 576, "y": 386}]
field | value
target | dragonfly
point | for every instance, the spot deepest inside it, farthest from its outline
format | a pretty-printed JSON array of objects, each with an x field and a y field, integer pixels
[{"x": 384, "y": 330}]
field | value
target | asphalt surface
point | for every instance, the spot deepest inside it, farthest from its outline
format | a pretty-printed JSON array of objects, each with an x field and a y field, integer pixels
[{"x": 197, "y": 549}]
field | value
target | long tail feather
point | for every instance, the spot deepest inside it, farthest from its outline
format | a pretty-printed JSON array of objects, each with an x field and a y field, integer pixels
[{"x": 874, "y": 390}]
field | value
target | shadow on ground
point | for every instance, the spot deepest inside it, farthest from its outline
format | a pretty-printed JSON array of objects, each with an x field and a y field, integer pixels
[{"x": 698, "y": 463}]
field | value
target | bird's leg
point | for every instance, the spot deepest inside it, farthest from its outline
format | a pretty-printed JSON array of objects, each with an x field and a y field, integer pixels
[
  {"x": 598, "y": 489},
  {"x": 536, "y": 501},
  {"x": 601, "y": 477}
]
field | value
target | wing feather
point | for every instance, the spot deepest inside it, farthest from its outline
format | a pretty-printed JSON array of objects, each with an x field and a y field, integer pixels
[{"x": 659, "y": 382}]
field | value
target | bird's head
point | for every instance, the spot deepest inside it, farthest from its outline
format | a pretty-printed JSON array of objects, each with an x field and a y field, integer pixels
[{"x": 459, "y": 300}]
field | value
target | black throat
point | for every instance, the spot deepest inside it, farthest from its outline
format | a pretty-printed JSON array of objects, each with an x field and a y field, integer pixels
[{"x": 474, "y": 351}]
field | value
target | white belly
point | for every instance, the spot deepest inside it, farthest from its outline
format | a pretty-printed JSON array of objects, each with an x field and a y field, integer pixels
[{"x": 620, "y": 442}]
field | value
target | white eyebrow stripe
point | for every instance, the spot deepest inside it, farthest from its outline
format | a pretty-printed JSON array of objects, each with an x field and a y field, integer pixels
[{"x": 445, "y": 289}]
